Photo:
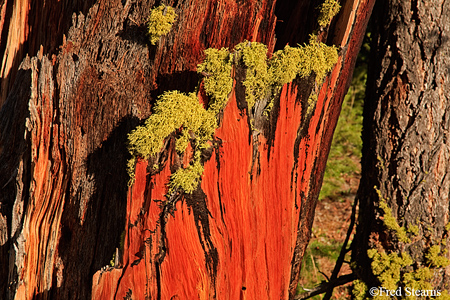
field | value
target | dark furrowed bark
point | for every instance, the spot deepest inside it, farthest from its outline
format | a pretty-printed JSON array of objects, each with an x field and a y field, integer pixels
[{"x": 406, "y": 123}]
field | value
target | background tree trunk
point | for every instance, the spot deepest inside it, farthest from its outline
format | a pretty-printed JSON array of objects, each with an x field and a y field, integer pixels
[
  {"x": 63, "y": 135},
  {"x": 405, "y": 136}
]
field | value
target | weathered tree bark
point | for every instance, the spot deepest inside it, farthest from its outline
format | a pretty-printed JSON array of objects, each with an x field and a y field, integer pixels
[
  {"x": 63, "y": 136},
  {"x": 405, "y": 160}
]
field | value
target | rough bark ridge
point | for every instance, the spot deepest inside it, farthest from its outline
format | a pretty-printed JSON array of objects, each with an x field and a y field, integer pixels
[
  {"x": 25, "y": 26},
  {"x": 63, "y": 129},
  {"x": 405, "y": 135}
]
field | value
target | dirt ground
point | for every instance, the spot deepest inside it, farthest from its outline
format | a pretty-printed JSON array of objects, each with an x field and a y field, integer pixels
[{"x": 330, "y": 226}]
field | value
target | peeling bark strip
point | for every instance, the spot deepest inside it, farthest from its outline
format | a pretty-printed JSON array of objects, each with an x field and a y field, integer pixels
[
  {"x": 63, "y": 180},
  {"x": 406, "y": 149}
]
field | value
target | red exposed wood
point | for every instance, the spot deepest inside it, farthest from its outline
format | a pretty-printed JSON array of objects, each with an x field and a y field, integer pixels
[{"x": 254, "y": 211}]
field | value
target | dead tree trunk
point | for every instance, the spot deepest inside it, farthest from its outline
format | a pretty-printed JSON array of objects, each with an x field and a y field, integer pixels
[
  {"x": 404, "y": 189},
  {"x": 66, "y": 114}
]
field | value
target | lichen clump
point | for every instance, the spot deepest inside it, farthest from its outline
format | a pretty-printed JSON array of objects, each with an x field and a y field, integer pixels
[
  {"x": 187, "y": 179},
  {"x": 160, "y": 22},
  {"x": 328, "y": 10},
  {"x": 435, "y": 258},
  {"x": 388, "y": 267},
  {"x": 177, "y": 112},
  {"x": 265, "y": 76},
  {"x": 258, "y": 80},
  {"x": 173, "y": 111},
  {"x": 218, "y": 81},
  {"x": 390, "y": 222},
  {"x": 394, "y": 270},
  {"x": 314, "y": 57},
  {"x": 359, "y": 289}
]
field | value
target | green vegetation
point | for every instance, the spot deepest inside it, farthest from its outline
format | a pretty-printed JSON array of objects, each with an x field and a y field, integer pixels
[
  {"x": 160, "y": 22},
  {"x": 317, "y": 252},
  {"x": 328, "y": 10},
  {"x": 345, "y": 152}
]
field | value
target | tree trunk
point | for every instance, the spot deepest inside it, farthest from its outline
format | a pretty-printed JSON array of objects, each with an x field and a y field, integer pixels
[
  {"x": 405, "y": 161},
  {"x": 65, "y": 203}
]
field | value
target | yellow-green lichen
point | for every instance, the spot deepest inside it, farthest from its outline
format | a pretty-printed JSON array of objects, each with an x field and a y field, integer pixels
[
  {"x": 390, "y": 222},
  {"x": 173, "y": 110},
  {"x": 414, "y": 230},
  {"x": 112, "y": 262},
  {"x": 435, "y": 258},
  {"x": 314, "y": 57},
  {"x": 218, "y": 82},
  {"x": 182, "y": 141},
  {"x": 312, "y": 100},
  {"x": 388, "y": 267},
  {"x": 444, "y": 295},
  {"x": 131, "y": 166},
  {"x": 264, "y": 77},
  {"x": 359, "y": 290},
  {"x": 447, "y": 227},
  {"x": 160, "y": 22},
  {"x": 257, "y": 77},
  {"x": 184, "y": 115},
  {"x": 285, "y": 64},
  {"x": 419, "y": 279},
  {"x": 328, "y": 10},
  {"x": 394, "y": 270},
  {"x": 317, "y": 57},
  {"x": 187, "y": 179}
]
